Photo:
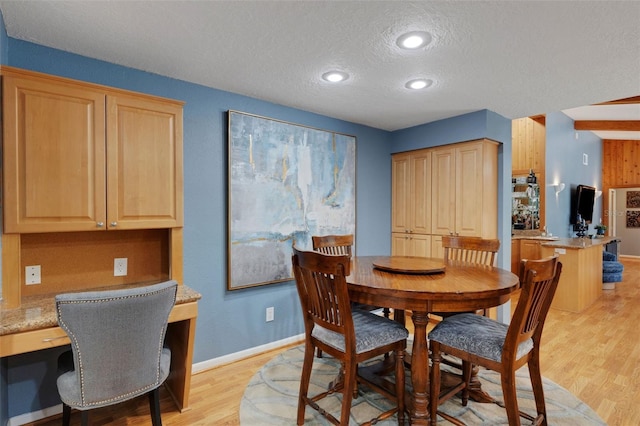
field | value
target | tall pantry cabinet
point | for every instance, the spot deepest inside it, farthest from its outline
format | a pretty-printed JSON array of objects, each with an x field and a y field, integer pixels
[{"x": 462, "y": 198}]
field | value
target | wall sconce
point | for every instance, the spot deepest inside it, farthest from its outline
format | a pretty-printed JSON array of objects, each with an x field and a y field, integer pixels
[
  {"x": 598, "y": 194},
  {"x": 559, "y": 187}
]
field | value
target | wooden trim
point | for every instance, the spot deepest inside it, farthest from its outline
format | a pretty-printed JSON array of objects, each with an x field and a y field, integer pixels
[
  {"x": 604, "y": 125},
  {"x": 11, "y": 274},
  {"x": 176, "y": 257},
  {"x": 631, "y": 100}
]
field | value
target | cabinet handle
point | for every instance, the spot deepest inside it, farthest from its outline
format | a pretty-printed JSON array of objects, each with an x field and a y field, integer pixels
[
  {"x": 99, "y": 224},
  {"x": 113, "y": 224}
]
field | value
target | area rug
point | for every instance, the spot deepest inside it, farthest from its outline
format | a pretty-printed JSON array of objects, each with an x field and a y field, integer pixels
[{"x": 271, "y": 398}]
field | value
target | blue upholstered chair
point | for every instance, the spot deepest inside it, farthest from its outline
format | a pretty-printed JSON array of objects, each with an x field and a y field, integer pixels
[
  {"x": 117, "y": 347},
  {"x": 499, "y": 347},
  {"x": 611, "y": 270},
  {"x": 350, "y": 336}
]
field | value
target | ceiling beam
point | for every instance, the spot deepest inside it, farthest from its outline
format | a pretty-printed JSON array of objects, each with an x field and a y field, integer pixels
[
  {"x": 631, "y": 100},
  {"x": 614, "y": 125}
]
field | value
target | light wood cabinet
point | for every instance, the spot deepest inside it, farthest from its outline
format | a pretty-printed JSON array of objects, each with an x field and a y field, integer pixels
[
  {"x": 530, "y": 249},
  {"x": 440, "y": 191},
  {"x": 411, "y": 210},
  {"x": 465, "y": 189},
  {"x": 81, "y": 157},
  {"x": 403, "y": 244}
]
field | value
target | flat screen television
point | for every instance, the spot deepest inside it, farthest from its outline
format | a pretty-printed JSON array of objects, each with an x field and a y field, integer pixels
[{"x": 582, "y": 202}]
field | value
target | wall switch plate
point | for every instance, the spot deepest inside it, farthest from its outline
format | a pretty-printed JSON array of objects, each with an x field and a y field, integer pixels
[
  {"x": 270, "y": 314},
  {"x": 120, "y": 267},
  {"x": 32, "y": 274}
]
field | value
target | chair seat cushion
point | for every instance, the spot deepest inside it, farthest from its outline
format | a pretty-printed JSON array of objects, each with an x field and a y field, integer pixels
[
  {"x": 477, "y": 335},
  {"x": 371, "y": 331}
]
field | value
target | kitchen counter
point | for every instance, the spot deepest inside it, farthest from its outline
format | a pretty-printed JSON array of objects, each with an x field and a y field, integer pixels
[
  {"x": 36, "y": 312},
  {"x": 579, "y": 243}
]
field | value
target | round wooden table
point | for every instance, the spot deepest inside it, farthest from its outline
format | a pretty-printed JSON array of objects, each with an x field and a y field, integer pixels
[{"x": 462, "y": 287}]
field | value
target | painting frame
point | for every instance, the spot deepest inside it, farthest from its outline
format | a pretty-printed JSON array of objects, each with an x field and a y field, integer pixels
[{"x": 286, "y": 182}]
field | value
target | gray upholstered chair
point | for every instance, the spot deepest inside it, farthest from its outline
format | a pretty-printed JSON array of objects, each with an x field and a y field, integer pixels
[
  {"x": 350, "y": 336},
  {"x": 499, "y": 347},
  {"x": 117, "y": 347}
]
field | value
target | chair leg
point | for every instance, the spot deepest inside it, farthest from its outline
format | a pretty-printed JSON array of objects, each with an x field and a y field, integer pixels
[
  {"x": 319, "y": 353},
  {"x": 304, "y": 381},
  {"x": 85, "y": 417},
  {"x": 347, "y": 391},
  {"x": 154, "y": 407},
  {"x": 536, "y": 384},
  {"x": 508, "y": 379},
  {"x": 66, "y": 414},
  {"x": 434, "y": 380},
  {"x": 400, "y": 380}
]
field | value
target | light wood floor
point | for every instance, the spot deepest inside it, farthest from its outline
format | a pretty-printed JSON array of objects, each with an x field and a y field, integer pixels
[{"x": 594, "y": 354}]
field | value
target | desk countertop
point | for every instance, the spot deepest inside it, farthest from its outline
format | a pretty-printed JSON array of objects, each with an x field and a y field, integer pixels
[{"x": 37, "y": 312}]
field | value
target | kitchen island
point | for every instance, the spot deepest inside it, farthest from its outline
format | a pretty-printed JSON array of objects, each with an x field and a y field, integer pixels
[{"x": 581, "y": 279}]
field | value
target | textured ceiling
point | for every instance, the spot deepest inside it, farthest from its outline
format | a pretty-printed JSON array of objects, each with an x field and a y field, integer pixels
[{"x": 516, "y": 58}]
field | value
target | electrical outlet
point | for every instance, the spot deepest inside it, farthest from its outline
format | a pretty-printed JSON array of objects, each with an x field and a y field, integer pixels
[
  {"x": 120, "y": 267},
  {"x": 270, "y": 314},
  {"x": 32, "y": 274}
]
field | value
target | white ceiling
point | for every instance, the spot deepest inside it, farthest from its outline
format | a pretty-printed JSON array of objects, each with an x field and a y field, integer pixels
[{"x": 516, "y": 58}]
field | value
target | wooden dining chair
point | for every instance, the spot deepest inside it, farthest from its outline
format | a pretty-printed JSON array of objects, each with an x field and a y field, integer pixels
[
  {"x": 499, "y": 347},
  {"x": 333, "y": 244},
  {"x": 350, "y": 336},
  {"x": 470, "y": 249}
]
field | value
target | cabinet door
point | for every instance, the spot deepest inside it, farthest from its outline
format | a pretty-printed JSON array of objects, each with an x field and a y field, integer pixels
[
  {"x": 400, "y": 193},
  {"x": 443, "y": 192},
  {"x": 421, "y": 192},
  {"x": 437, "y": 251},
  {"x": 144, "y": 163},
  {"x": 54, "y": 155},
  {"x": 420, "y": 245},
  {"x": 530, "y": 249},
  {"x": 470, "y": 188}
]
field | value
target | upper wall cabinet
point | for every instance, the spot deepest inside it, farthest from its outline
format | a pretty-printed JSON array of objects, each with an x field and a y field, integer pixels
[
  {"x": 528, "y": 145},
  {"x": 81, "y": 157}
]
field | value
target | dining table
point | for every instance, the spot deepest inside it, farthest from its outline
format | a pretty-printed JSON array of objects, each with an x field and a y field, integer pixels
[{"x": 422, "y": 286}]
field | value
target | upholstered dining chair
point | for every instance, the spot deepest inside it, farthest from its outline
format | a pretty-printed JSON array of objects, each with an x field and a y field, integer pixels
[
  {"x": 117, "y": 347},
  {"x": 350, "y": 336},
  {"x": 499, "y": 347}
]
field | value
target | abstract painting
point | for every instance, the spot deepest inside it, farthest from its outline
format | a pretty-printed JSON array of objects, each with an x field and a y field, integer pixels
[
  {"x": 633, "y": 218},
  {"x": 633, "y": 199},
  {"x": 286, "y": 182}
]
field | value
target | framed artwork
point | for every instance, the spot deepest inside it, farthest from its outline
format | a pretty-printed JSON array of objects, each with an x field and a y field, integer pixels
[
  {"x": 633, "y": 218},
  {"x": 633, "y": 199},
  {"x": 286, "y": 182}
]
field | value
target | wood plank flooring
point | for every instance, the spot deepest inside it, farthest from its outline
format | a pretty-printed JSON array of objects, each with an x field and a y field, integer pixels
[{"x": 594, "y": 354}]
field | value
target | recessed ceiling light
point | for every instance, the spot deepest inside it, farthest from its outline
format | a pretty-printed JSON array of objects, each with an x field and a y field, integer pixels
[
  {"x": 335, "y": 76},
  {"x": 414, "y": 40},
  {"x": 418, "y": 84}
]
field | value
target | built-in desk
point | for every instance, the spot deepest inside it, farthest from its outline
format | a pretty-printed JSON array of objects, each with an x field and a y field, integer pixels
[
  {"x": 581, "y": 279},
  {"x": 33, "y": 326}
]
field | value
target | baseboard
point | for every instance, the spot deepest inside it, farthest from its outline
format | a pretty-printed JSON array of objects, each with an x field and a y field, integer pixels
[
  {"x": 35, "y": 415},
  {"x": 236, "y": 356}
]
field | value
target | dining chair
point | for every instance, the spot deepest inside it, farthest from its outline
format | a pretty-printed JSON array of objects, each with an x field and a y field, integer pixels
[
  {"x": 339, "y": 245},
  {"x": 477, "y": 250},
  {"x": 350, "y": 336},
  {"x": 117, "y": 347},
  {"x": 499, "y": 347}
]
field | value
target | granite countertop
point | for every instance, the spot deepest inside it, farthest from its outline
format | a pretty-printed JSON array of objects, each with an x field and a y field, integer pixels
[
  {"x": 37, "y": 312},
  {"x": 579, "y": 243}
]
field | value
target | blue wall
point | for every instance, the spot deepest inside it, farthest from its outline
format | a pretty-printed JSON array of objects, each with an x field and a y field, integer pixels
[{"x": 563, "y": 163}]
